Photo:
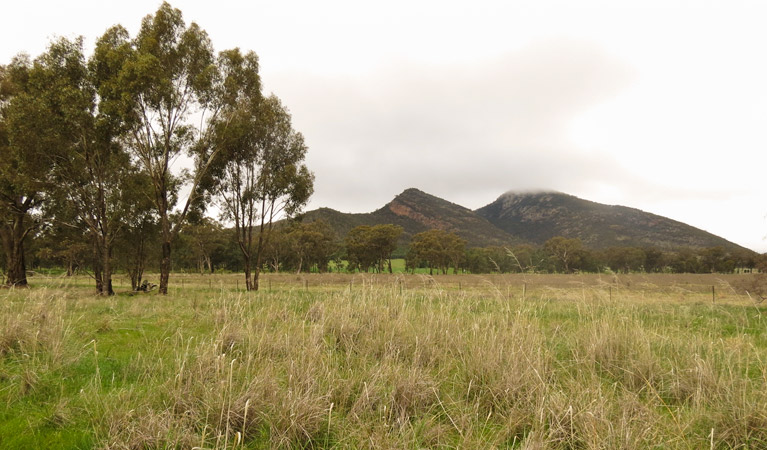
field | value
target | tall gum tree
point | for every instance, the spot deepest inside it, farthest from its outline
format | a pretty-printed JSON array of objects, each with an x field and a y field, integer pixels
[
  {"x": 371, "y": 246},
  {"x": 438, "y": 248},
  {"x": 262, "y": 176},
  {"x": 25, "y": 169},
  {"x": 564, "y": 251},
  {"x": 91, "y": 171},
  {"x": 166, "y": 86}
]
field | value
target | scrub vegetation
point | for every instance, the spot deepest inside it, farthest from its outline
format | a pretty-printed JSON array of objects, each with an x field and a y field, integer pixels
[{"x": 386, "y": 361}]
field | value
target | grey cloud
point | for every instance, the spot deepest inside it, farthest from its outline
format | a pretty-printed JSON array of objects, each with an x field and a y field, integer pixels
[{"x": 454, "y": 131}]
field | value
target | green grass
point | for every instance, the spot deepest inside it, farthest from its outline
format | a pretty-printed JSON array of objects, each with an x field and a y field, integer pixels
[
  {"x": 397, "y": 265},
  {"x": 379, "y": 361}
]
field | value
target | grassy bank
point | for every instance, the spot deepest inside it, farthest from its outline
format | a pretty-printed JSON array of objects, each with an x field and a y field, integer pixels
[{"x": 386, "y": 362}]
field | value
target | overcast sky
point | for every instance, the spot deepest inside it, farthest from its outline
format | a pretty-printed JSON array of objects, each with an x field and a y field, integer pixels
[{"x": 657, "y": 105}]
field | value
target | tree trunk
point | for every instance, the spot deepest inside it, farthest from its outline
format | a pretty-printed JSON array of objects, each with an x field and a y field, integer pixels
[
  {"x": 16, "y": 266},
  {"x": 167, "y": 236},
  {"x": 98, "y": 266},
  {"x": 134, "y": 282},
  {"x": 137, "y": 267},
  {"x": 259, "y": 255},
  {"x": 248, "y": 284},
  {"x": 390, "y": 271},
  {"x": 136, "y": 275},
  {"x": 256, "y": 273},
  {"x": 13, "y": 236},
  {"x": 106, "y": 277},
  {"x": 165, "y": 267}
]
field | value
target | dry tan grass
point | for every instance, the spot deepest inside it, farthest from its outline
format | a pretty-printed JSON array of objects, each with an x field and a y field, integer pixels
[{"x": 571, "y": 365}]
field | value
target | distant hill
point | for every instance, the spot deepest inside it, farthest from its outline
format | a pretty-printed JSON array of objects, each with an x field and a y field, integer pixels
[
  {"x": 536, "y": 217},
  {"x": 516, "y": 218},
  {"x": 416, "y": 211}
]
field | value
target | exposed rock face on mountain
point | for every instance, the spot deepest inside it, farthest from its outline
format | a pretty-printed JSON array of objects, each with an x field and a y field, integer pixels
[
  {"x": 416, "y": 211},
  {"x": 532, "y": 217},
  {"x": 536, "y": 217}
]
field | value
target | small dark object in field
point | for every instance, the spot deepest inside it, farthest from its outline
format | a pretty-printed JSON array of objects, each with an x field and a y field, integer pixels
[{"x": 146, "y": 286}]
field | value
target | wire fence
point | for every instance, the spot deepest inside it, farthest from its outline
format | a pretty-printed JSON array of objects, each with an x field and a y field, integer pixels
[{"x": 716, "y": 287}]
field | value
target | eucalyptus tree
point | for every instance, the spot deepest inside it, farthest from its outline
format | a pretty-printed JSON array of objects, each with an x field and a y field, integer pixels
[
  {"x": 262, "y": 176},
  {"x": 384, "y": 239},
  {"x": 90, "y": 169},
  {"x": 56, "y": 154},
  {"x": 25, "y": 168},
  {"x": 167, "y": 88},
  {"x": 204, "y": 237},
  {"x": 564, "y": 252},
  {"x": 313, "y": 245},
  {"x": 359, "y": 251},
  {"x": 63, "y": 246},
  {"x": 372, "y": 246},
  {"x": 438, "y": 249}
]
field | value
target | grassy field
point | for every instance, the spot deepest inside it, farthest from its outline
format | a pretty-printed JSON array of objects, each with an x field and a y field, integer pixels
[{"x": 386, "y": 361}]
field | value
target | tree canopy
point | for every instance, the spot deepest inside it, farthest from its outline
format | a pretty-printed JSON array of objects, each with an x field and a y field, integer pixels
[{"x": 372, "y": 246}]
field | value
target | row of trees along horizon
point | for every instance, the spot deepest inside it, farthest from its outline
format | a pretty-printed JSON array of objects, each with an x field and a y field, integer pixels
[
  {"x": 88, "y": 144},
  {"x": 207, "y": 246}
]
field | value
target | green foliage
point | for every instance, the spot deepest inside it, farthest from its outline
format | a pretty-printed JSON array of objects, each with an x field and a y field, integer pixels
[
  {"x": 625, "y": 259},
  {"x": 301, "y": 246},
  {"x": 25, "y": 168},
  {"x": 516, "y": 259},
  {"x": 371, "y": 247},
  {"x": 436, "y": 249},
  {"x": 565, "y": 252},
  {"x": 159, "y": 84},
  {"x": 261, "y": 174}
]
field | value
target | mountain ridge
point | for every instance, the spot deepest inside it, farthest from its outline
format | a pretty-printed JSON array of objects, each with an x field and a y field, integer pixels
[
  {"x": 536, "y": 217},
  {"x": 416, "y": 211},
  {"x": 533, "y": 217}
]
